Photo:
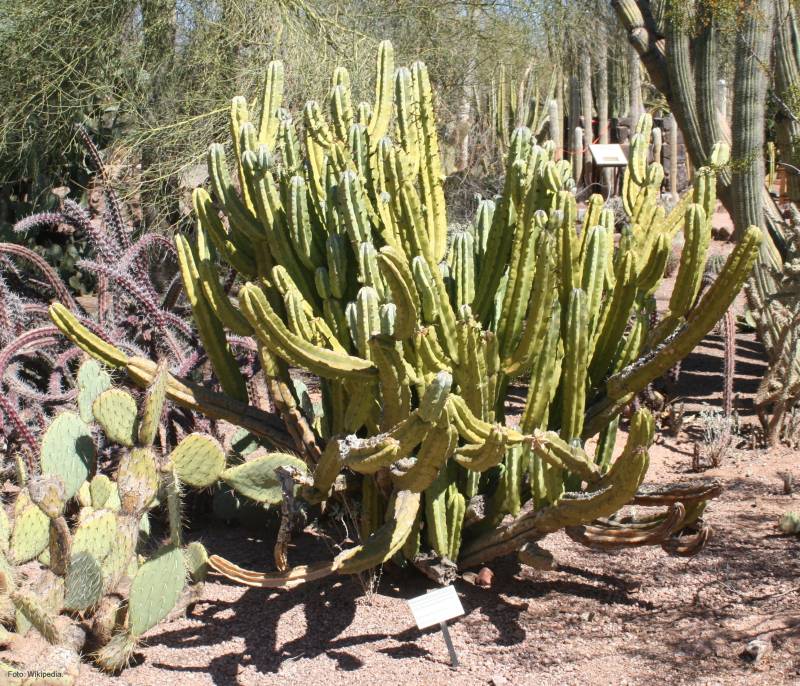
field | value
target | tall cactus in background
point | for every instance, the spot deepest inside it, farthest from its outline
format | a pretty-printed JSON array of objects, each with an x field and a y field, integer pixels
[
  {"x": 676, "y": 45},
  {"x": 344, "y": 268},
  {"x": 513, "y": 103}
]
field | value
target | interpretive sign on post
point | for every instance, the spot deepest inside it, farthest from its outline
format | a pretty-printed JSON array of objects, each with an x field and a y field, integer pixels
[
  {"x": 437, "y": 607},
  {"x": 608, "y": 155}
]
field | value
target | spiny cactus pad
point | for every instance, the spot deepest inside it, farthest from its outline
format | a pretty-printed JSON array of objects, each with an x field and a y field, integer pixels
[
  {"x": 199, "y": 460},
  {"x": 68, "y": 451},
  {"x": 256, "y": 479},
  {"x": 30, "y": 534},
  {"x": 195, "y": 556},
  {"x": 137, "y": 480},
  {"x": 101, "y": 489},
  {"x": 153, "y": 407},
  {"x": 83, "y": 585},
  {"x": 155, "y": 590},
  {"x": 115, "y": 411},
  {"x": 96, "y": 534},
  {"x": 92, "y": 381}
]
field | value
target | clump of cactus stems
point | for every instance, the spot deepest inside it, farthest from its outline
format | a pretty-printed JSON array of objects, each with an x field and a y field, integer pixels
[
  {"x": 339, "y": 239},
  {"x": 78, "y": 563},
  {"x": 773, "y": 300},
  {"x": 137, "y": 308},
  {"x": 510, "y": 103}
]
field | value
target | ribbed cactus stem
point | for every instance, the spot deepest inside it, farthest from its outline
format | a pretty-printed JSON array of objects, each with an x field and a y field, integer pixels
[{"x": 750, "y": 84}]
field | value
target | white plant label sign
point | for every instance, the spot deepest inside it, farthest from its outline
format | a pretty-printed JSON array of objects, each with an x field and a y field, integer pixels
[
  {"x": 608, "y": 155},
  {"x": 436, "y": 607}
]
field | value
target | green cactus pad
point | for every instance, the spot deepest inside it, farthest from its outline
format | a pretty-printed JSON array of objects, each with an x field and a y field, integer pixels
[
  {"x": 115, "y": 411},
  {"x": 137, "y": 480},
  {"x": 44, "y": 557},
  {"x": 31, "y": 612},
  {"x": 199, "y": 460},
  {"x": 153, "y": 406},
  {"x": 84, "y": 495},
  {"x": 155, "y": 589},
  {"x": 68, "y": 451},
  {"x": 83, "y": 584},
  {"x": 100, "y": 489},
  {"x": 243, "y": 442},
  {"x": 95, "y": 535},
  {"x": 92, "y": 381},
  {"x": 256, "y": 479},
  {"x": 31, "y": 532},
  {"x": 126, "y": 537},
  {"x": 195, "y": 556}
]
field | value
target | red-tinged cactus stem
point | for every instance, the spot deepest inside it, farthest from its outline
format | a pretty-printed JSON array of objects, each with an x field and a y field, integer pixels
[
  {"x": 42, "y": 219},
  {"x": 105, "y": 246},
  {"x": 122, "y": 233},
  {"x": 141, "y": 296},
  {"x": 42, "y": 337},
  {"x": 61, "y": 291},
  {"x": 150, "y": 240},
  {"x": 22, "y": 429}
]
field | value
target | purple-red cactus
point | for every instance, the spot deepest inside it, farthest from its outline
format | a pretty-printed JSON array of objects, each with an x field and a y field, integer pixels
[{"x": 37, "y": 363}]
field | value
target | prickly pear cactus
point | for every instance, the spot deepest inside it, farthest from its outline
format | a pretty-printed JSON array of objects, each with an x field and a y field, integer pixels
[
  {"x": 336, "y": 238},
  {"x": 88, "y": 532}
]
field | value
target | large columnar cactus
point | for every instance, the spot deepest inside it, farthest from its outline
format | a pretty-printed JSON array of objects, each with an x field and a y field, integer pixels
[
  {"x": 78, "y": 563},
  {"x": 346, "y": 268}
]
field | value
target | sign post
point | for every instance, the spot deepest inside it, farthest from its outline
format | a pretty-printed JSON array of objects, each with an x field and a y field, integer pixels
[
  {"x": 608, "y": 156},
  {"x": 437, "y": 607}
]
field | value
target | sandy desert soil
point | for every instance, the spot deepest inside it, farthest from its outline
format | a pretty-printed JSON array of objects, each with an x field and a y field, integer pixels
[{"x": 627, "y": 617}]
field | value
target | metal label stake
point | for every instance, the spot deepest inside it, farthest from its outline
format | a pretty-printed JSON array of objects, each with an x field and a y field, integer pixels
[
  {"x": 449, "y": 641},
  {"x": 437, "y": 607}
]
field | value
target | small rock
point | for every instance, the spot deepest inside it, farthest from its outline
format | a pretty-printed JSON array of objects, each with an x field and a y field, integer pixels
[
  {"x": 533, "y": 555},
  {"x": 485, "y": 576},
  {"x": 756, "y": 650},
  {"x": 470, "y": 577},
  {"x": 587, "y": 616},
  {"x": 498, "y": 680}
]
